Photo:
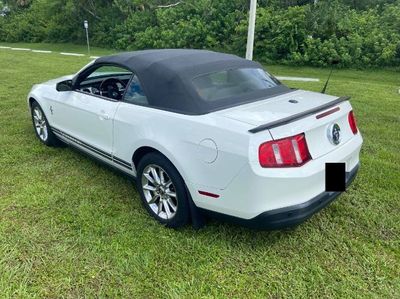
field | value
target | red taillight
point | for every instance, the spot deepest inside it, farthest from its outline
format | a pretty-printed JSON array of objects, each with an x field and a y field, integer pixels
[
  {"x": 287, "y": 152},
  {"x": 352, "y": 122}
]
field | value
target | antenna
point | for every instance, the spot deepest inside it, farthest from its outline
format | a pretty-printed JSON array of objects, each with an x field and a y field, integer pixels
[{"x": 333, "y": 63}]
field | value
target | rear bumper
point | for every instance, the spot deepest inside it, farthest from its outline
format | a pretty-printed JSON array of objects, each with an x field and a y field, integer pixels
[{"x": 291, "y": 215}]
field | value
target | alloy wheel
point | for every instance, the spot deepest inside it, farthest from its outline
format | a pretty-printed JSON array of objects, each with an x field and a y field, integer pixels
[
  {"x": 159, "y": 191},
  {"x": 39, "y": 121}
]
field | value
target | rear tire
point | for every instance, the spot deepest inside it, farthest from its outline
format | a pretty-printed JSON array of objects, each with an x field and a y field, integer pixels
[
  {"x": 162, "y": 190},
  {"x": 41, "y": 126}
]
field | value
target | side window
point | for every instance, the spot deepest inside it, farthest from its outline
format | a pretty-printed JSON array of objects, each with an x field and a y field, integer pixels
[
  {"x": 108, "y": 70},
  {"x": 134, "y": 93},
  {"x": 107, "y": 81}
]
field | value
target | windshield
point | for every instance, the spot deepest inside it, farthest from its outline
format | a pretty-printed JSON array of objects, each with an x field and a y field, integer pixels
[{"x": 233, "y": 83}]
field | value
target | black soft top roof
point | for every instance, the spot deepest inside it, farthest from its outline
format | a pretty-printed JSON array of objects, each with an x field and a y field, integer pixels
[{"x": 166, "y": 76}]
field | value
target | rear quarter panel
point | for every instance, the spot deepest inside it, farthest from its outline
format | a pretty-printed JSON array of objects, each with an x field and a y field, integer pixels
[{"x": 178, "y": 137}]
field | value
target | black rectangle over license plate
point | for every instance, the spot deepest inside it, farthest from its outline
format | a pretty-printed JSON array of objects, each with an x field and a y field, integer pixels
[{"x": 335, "y": 177}]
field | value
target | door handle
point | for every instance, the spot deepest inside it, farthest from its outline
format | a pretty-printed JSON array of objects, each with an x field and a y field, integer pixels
[{"x": 104, "y": 116}]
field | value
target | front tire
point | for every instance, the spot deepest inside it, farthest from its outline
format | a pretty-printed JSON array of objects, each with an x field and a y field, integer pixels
[
  {"x": 162, "y": 190},
  {"x": 42, "y": 127}
]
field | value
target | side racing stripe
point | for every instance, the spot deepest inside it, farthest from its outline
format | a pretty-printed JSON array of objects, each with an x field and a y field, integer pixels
[{"x": 93, "y": 149}]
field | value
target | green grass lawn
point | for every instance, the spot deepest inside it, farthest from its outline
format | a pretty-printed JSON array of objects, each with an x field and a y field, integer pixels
[{"x": 72, "y": 227}]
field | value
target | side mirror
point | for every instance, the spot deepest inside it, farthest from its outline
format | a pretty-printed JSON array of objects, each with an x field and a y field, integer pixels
[{"x": 64, "y": 85}]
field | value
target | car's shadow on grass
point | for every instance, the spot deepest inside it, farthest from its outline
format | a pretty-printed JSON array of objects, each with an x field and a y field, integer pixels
[
  {"x": 210, "y": 223},
  {"x": 214, "y": 229}
]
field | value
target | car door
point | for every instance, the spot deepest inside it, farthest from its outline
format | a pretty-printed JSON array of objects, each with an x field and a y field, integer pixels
[
  {"x": 87, "y": 119},
  {"x": 85, "y": 116}
]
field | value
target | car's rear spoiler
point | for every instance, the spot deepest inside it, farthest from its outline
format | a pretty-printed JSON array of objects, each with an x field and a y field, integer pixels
[{"x": 286, "y": 120}]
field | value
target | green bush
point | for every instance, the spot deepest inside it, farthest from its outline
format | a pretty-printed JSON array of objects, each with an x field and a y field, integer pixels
[{"x": 358, "y": 33}]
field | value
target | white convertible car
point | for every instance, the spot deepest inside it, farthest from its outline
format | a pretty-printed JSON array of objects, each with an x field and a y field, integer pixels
[{"x": 204, "y": 132}]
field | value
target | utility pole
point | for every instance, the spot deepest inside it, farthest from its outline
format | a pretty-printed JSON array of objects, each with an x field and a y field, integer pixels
[
  {"x": 86, "y": 25},
  {"x": 250, "y": 34}
]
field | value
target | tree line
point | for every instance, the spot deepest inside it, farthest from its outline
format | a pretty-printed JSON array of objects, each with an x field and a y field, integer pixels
[{"x": 359, "y": 33}]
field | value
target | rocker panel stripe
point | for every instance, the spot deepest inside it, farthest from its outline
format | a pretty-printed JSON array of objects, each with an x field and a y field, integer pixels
[{"x": 95, "y": 150}]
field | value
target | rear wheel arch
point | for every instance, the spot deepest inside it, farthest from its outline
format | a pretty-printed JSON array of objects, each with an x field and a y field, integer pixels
[
  {"x": 144, "y": 150},
  {"x": 31, "y": 101},
  {"x": 141, "y": 152}
]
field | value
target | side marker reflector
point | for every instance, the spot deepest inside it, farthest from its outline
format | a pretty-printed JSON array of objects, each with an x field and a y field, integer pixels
[{"x": 208, "y": 194}]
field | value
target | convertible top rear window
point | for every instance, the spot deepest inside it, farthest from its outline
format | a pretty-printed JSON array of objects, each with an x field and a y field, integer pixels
[{"x": 233, "y": 82}]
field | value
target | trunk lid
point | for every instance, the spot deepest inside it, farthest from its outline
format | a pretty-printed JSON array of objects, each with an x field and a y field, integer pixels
[{"x": 318, "y": 131}]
